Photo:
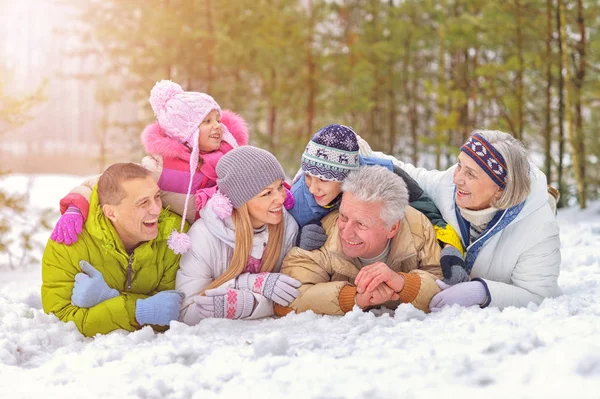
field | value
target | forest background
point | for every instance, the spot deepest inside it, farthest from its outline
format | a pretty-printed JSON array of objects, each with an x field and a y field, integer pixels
[{"x": 412, "y": 77}]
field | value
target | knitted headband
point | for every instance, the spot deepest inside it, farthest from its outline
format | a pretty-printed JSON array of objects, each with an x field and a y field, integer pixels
[
  {"x": 487, "y": 157},
  {"x": 331, "y": 154}
]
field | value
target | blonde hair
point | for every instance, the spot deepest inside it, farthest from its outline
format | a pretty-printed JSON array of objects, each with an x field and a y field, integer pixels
[
  {"x": 518, "y": 182},
  {"x": 244, "y": 235}
]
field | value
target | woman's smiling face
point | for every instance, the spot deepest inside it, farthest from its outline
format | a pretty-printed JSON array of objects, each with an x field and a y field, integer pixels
[
  {"x": 267, "y": 206},
  {"x": 475, "y": 190}
]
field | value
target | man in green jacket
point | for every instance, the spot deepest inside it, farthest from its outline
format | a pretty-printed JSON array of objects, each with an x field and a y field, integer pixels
[{"x": 120, "y": 274}]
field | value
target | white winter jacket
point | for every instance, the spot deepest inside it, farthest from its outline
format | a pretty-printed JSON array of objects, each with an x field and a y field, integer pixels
[
  {"x": 213, "y": 241},
  {"x": 520, "y": 263}
]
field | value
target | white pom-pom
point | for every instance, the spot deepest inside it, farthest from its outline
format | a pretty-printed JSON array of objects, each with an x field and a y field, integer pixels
[
  {"x": 179, "y": 242},
  {"x": 221, "y": 205},
  {"x": 161, "y": 93}
]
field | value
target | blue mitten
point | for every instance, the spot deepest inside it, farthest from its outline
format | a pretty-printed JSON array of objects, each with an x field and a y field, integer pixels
[
  {"x": 90, "y": 288},
  {"x": 159, "y": 309},
  {"x": 453, "y": 265}
]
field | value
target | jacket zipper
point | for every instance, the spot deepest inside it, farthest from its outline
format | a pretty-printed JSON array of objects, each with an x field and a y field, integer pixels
[
  {"x": 129, "y": 272},
  {"x": 486, "y": 233}
]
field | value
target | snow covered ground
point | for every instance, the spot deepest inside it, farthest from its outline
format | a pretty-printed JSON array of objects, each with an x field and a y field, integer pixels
[{"x": 550, "y": 351}]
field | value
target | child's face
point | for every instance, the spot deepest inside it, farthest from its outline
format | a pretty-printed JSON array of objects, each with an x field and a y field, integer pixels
[
  {"x": 211, "y": 135},
  {"x": 324, "y": 191}
]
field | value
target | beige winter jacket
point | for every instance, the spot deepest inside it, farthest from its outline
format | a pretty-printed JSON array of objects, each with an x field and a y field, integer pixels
[{"x": 327, "y": 275}]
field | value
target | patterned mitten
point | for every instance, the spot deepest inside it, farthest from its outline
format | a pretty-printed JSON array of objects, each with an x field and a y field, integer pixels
[
  {"x": 280, "y": 288},
  {"x": 225, "y": 303}
]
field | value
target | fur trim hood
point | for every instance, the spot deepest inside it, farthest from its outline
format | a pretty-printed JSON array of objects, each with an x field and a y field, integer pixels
[{"x": 156, "y": 141}]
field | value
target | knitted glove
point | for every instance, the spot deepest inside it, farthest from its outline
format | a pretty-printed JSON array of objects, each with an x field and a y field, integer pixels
[
  {"x": 290, "y": 201},
  {"x": 68, "y": 227},
  {"x": 312, "y": 236},
  {"x": 453, "y": 266},
  {"x": 280, "y": 288},
  {"x": 90, "y": 288},
  {"x": 159, "y": 309},
  {"x": 225, "y": 303},
  {"x": 464, "y": 294}
]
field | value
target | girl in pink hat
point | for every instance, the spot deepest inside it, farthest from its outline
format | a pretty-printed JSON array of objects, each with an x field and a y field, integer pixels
[{"x": 185, "y": 143}]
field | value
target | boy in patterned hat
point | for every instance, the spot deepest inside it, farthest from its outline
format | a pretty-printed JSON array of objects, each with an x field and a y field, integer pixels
[{"x": 331, "y": 154}]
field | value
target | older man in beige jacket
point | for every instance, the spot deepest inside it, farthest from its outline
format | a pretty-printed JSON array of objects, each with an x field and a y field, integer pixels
[{"x": 379, "y": 251}]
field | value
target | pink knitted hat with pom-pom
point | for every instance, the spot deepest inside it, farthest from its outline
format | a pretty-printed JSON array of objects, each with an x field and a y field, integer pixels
[{"x": 179, "y": 113}]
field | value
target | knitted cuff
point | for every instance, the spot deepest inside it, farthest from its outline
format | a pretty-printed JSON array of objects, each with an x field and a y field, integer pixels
[
  {"x": 108, "y": 293},
  {"x": 77, "y": 200},
  {"x": 282, "y": 310},
  {"x": 346, "y": 298},
  {"x": 144, "y": 312},
  {"x": 412, "y": 285},
  {"x": 488, "y": 297},
  {"x": 247, "y": 304},
  {"x": 241, "y": 281}
]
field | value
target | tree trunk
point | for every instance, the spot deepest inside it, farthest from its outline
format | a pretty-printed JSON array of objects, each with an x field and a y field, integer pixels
[
  {"x": 210, "y": 53},
  {"x": 568, "y": 111},
  {"x": 520, "y": 69},
  {"x": 311, "y": 80},
  {"x": 272, "y": 118},
  {"x": 562, "y": 187},
  {"x": 441, "y": 88},
  {"x": 548, "y": 110},
  {"x": 408, "y": 96},
  {"x": 391, "y": 109},
  {"x": 580, "y": 47}
]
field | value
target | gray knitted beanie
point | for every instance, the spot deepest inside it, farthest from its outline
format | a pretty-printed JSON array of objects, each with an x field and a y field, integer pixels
[{"x": 245, "y": 171}]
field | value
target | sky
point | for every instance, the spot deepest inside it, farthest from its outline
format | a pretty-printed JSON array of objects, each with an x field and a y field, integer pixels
[{"x": 546, "y": 351}]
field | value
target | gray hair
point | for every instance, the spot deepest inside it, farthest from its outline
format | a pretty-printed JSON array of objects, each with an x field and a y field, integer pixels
[
  {"x": 378, "y": 184},
  {"x": 518, "y": 182}
]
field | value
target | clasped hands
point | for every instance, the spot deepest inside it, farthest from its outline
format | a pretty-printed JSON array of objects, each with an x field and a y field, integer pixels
[{"x": 377, "y": 284}]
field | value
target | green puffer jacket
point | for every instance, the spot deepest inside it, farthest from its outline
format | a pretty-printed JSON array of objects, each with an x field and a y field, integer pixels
[{"x": 150, "y": 269}]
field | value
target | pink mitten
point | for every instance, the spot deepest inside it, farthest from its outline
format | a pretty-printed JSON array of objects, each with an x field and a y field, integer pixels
[
  {"x": 289, "y": 197},
  {"x": 68, "y": 227}
]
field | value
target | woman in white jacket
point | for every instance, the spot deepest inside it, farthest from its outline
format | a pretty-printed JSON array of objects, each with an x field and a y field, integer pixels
[
  {"x": 498, "y": 201},
  {"x": 237, "y": 245}
]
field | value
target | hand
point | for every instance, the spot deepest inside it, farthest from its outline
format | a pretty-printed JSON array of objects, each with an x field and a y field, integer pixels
[
  {"x": 90, "y": 288},
  {"x": 68, "y": 227},
  {"x": 380, "y": 295},
  {"x": 280, "y": 288},
  {"x": 159, "y": 309},
  {"x": 225, "y": 303},
  {"x": 453, "y": 265},
  {"x": 290, "y": 201},
  {"x": 464, "y": 294},
  {"x": 311, "y": 237},
  {"x": 371, "y": 276}
]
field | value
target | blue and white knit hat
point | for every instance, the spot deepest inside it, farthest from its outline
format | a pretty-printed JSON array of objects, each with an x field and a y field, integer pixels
[{"x": 331, "y": 154}]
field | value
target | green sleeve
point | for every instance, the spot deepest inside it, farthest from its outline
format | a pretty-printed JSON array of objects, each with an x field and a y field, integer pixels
[{"x": 58, "y": 278}]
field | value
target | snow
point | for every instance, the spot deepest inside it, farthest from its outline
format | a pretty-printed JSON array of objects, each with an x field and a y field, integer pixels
[{"x": 546, "y": 351}]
